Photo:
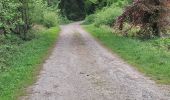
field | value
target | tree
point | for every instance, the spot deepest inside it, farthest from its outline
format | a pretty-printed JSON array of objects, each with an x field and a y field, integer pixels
[
  {"x": 9, "y": 17},
  {"x": 73, "y": 9},
  {"x": 17, "y": 16},
  {"x": 147, "y": 14}
]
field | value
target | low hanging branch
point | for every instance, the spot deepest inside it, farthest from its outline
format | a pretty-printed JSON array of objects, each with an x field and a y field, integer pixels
[{"x": 147, "y": 14}]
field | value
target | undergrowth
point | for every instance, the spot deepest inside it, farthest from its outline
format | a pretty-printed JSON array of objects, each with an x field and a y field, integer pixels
[{"x": 19, "y": 61}]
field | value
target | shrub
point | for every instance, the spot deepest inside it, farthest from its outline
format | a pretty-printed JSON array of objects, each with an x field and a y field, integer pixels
[
  {"x": 50, "y": 19},
  {"x": 150, "y": 15},
  {"x": 63, "y": 20},
  {"x": 108, "y": 15},
  {"x": 89, "y": 19}
]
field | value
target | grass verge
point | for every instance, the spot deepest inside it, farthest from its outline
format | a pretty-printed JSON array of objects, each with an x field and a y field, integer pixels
[
  {"x": 22, "y": 62},
  {"x": 147, "y": 58}
]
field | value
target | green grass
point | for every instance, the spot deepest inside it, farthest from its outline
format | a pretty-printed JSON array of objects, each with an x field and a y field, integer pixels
[
  {"x": 154, "y": 61},
  {"x": 20, "y": 61}
]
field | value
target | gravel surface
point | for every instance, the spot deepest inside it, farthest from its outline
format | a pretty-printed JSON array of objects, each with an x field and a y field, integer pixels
[{"x": 81, "y": 69}]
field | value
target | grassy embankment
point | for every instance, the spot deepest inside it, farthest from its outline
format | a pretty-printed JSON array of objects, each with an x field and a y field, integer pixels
[
  {"x": 20, "y": 61},
  {"x": 152, "y": 57}
]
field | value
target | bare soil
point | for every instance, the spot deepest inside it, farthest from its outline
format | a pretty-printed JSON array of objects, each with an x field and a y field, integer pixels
[{"x": 81, "y": 69}]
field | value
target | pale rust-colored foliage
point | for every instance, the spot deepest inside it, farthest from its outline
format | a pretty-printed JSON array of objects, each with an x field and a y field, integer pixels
[{"x": 152, "y": 16}]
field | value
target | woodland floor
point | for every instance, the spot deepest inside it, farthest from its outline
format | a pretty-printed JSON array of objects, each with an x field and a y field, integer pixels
[{"x": 79, "y": 68}]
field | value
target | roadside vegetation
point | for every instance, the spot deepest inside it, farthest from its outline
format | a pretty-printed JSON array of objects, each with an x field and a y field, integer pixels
[
  {"x": 138, "y": 35},
  {"x": 21, "y": 61},
  {"x": 150, "y": 57},
  {"x": 28, "y": 31}
]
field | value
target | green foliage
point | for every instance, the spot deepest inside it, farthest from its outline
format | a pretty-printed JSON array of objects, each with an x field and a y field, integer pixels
[
  {"x": 73, "y": 9},
  {"x": 107, "y": 16},
  {"x": 64, "y": 20},
  {"x": 89, "y": 19},
  {"x": 19, "y": 61},
  {"x": 17, "y": 16},
  {"x": 43, "y": 14},
  {"x": 144, "y": 55},
  {"x": 50, "y": 19},
  {"x": 8, "y": 44},
  {"x": 8, "y": 15},
  {"x": 93, "y": 1},
  {"x": 38, "y": 8},
  {"x": 161, "y": 43}
]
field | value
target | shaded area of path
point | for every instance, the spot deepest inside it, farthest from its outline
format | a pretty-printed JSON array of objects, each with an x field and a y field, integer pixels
[{"x": 81, "y": 69}]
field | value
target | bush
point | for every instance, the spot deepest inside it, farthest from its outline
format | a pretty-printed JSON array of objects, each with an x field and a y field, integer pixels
[
  {"x": 89, "y": 19},
  {"x": 108, "y": 15},
  {"x": 63, "y": 20},
  {"x": 45, "y": 15},
  {"x": 50, "y": 19}
]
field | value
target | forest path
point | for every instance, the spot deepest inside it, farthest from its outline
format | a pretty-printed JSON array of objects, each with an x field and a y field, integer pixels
[{"x": 81, "y": 69}]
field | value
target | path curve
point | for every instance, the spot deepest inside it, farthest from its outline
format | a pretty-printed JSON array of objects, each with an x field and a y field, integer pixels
[{"x": 81, "y": 69}]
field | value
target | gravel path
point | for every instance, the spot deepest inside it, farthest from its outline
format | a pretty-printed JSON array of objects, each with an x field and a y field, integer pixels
[{"x": 81, "y": 69}]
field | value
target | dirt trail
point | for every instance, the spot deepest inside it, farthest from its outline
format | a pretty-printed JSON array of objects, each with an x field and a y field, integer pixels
[{"x": 81, "y": 69}]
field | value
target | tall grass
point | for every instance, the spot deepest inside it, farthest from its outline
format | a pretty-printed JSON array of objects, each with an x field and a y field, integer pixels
[{"x": 152, "y": 60}]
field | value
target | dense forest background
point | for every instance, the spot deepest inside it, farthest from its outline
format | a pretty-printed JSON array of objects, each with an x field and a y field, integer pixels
[{"x": 18, "y": 16}]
